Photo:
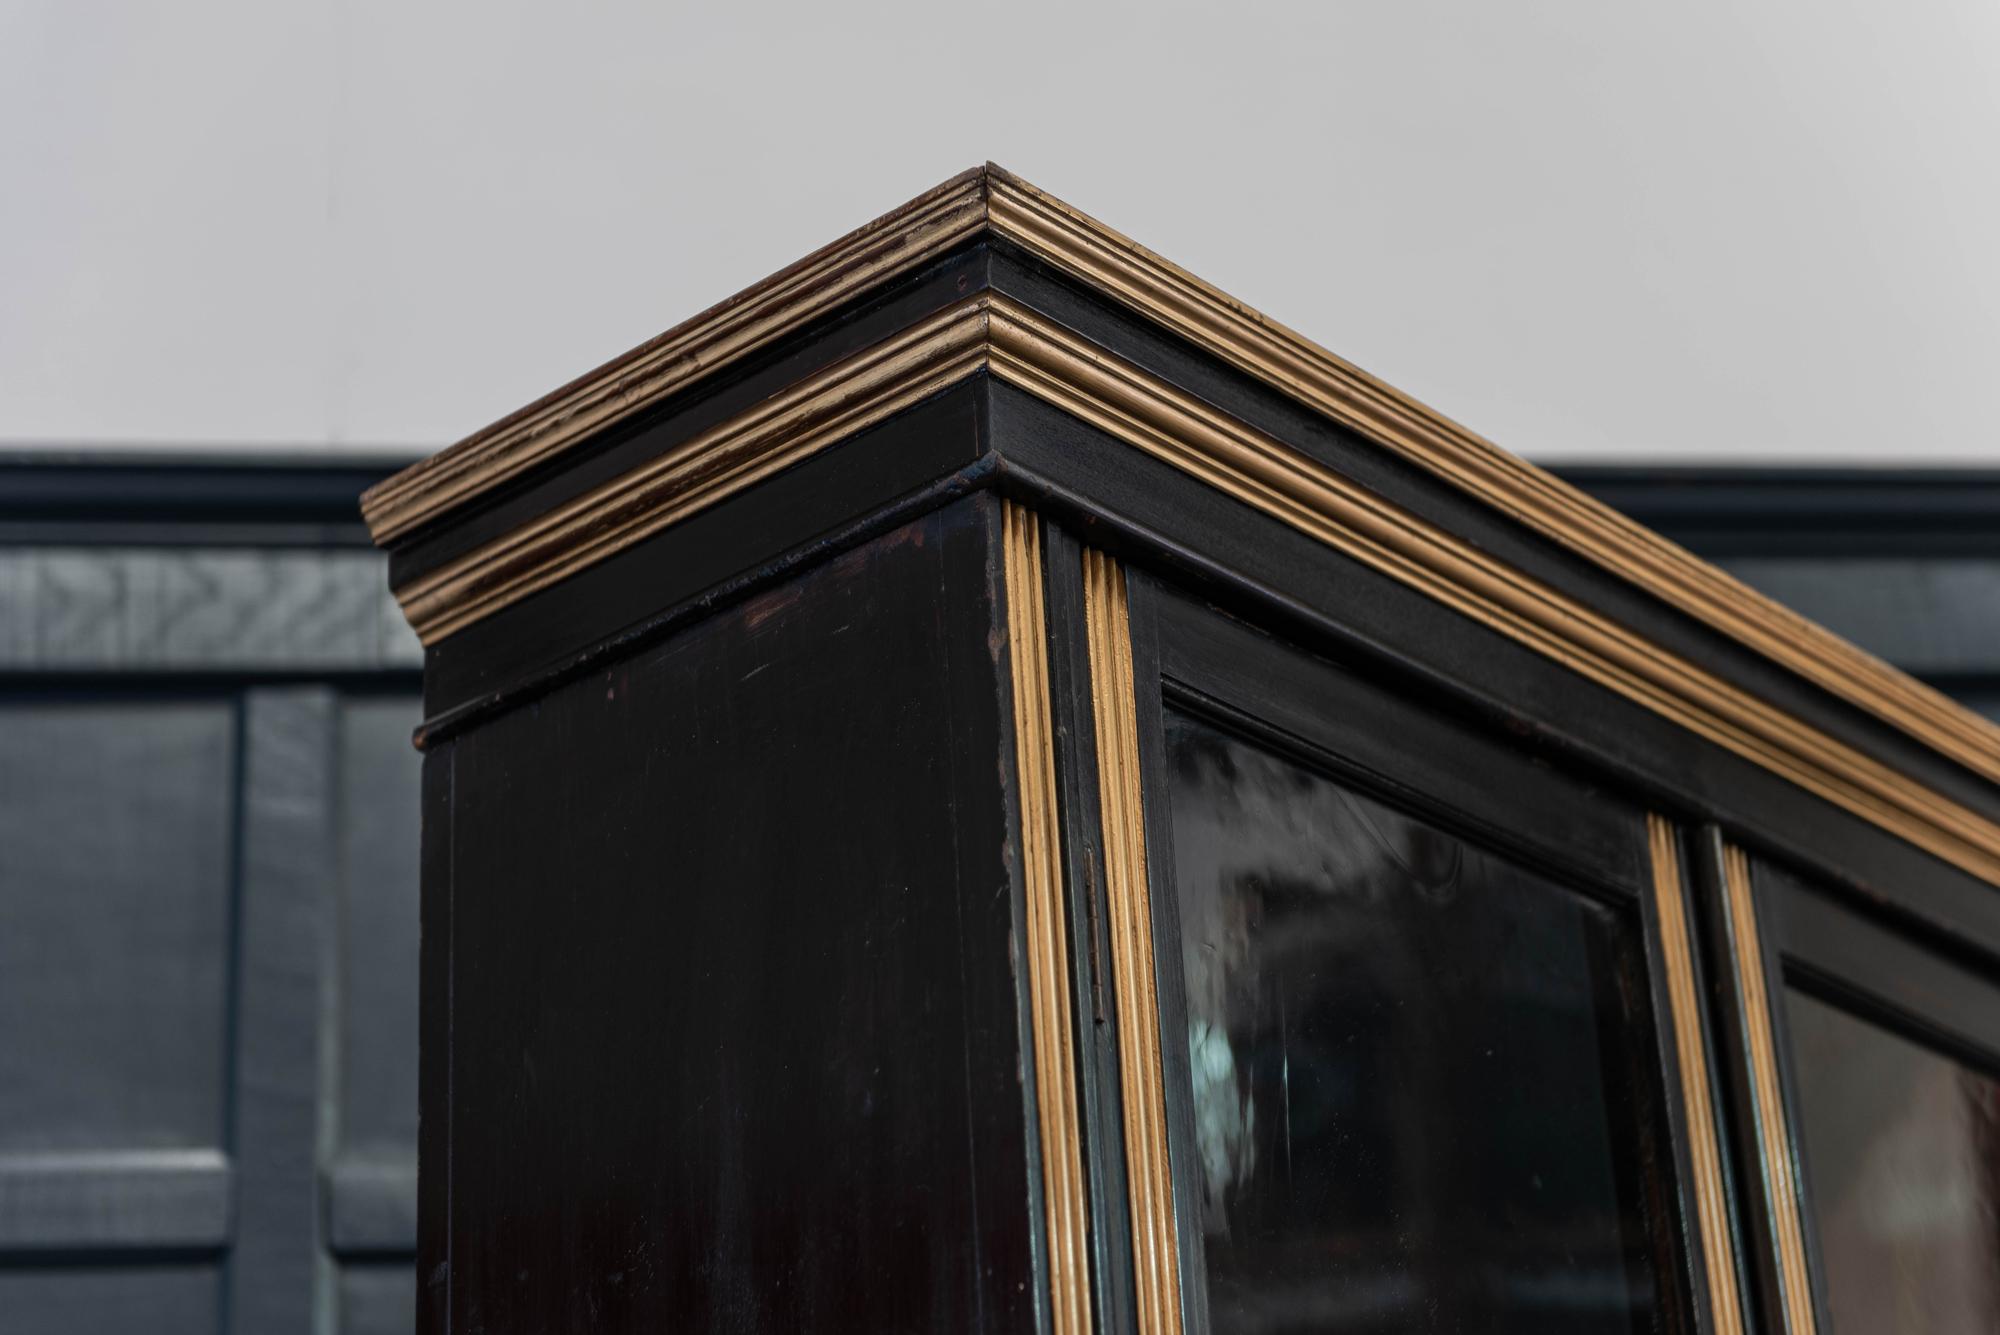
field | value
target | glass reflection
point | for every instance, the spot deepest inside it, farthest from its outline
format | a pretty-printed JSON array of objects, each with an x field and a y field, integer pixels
[
  {"x": 1902, "y": 1148},
  {"x": 1419, "y": 1069}
]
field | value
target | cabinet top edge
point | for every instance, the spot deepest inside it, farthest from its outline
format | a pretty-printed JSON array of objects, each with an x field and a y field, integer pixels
[{"x": 988, "y": 202}]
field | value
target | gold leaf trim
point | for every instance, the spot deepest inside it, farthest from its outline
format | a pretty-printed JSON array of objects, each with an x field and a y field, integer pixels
[
  {"x": 788, "y": 300},
  {"x": 1155, "y": 1253},
  {"x": 991, "y": 200},
  {"x": 1016, "y": 345},
  {"x": 1048, "y": 953},
  {"x": 1781, "y": 1188},
  {"x": 1173, "y": 426},
  {"x": 1704, "y": 1150},
  {"x": 1301, "y": 369},
  {"x": 726, "y": 459}
]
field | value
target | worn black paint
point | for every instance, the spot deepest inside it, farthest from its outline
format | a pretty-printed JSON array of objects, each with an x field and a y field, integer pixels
[
  {"x": 1091, "y": 982},
  {"x": 833, "y": 500},
  {"x": 1874, "y": 963},
  {"x": 735, "y": 1025}
]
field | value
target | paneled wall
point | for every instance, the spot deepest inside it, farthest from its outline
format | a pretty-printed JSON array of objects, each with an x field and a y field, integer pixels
[
  {"x": 208, "y": 858},
  {"x": 208, "y": 896},
  {"x": 1905, "y": 563}
]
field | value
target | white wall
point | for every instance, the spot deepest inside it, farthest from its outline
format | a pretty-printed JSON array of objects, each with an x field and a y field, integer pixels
[{"x": 1749, "y": 231}]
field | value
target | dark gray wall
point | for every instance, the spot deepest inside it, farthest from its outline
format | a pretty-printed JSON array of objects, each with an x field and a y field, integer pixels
[
  {"x": 1905, "y": 563},
  {"x": 208, "y": 925}
]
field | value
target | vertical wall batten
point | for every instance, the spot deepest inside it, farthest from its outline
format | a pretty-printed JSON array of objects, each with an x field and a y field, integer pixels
[
  {"x": 1048, "y": 957},
  {"x": 1155, "y": 1257},
  {"x": 1704, "y": 1151}
]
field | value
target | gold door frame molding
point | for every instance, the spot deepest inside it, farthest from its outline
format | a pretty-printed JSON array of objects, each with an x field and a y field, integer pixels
[
  {"x": 1142, "y": 1082},
  {"x": 1065, "y": 1208},
  {"x": 990, "y": 201},
  {"x": 989, "y": 333},
  {"x": 1691, "y": 1050},
  {"x": 1778, "y": 1167}
]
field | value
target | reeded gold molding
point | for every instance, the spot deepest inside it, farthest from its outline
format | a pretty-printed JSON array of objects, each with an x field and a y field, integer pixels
[
  {"x": 1704, "y": 1149},
  {"x": 996, "y": 201},
  {"x": 1048, "y": 953},
  {"x": 1177, "y": 428},
  {"x": 1155, "y": 1251},
  {"x": 1781, "y": 1188},
  {"x": 1302, "y": 369},
  {"x": 814, "y": 413},
  {"x": 789, "y": 299},
  {"x": 1018, "y": 346}
]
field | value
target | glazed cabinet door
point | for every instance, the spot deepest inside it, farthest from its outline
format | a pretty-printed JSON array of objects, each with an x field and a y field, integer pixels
[
  {"x": 1428, "y": 1028},
  {"x": 1872, "y": 1078}
]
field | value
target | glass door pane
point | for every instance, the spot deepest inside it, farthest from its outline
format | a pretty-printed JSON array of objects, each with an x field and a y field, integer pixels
[
  {"x": 1424, "y": 1096},
  {"x": 1902, "y": 1146}
]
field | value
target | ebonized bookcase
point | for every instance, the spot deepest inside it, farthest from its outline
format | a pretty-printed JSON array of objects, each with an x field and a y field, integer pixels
[{"x": 982, "y": 785}]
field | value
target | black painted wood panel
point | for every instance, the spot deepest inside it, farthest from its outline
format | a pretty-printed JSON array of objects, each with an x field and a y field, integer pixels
[
  {"x": 877, "y": 480},
  {"x": 735, "y": 1020}
]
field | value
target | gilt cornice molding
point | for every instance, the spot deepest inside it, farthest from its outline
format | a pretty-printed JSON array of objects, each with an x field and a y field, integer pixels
[
  {"x": 795, "y": 296},
  {"x": 993, "y": 334},
  {"x": 1292, "y": 363},
  {"x": 786, "y": 428},
  {"x": 993, "y": 202},
  {"x": 1290, "y": 486}
]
